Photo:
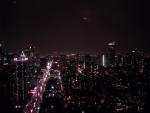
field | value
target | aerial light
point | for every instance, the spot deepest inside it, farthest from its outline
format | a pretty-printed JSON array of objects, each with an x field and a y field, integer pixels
[{"x": 52, "y": 87}]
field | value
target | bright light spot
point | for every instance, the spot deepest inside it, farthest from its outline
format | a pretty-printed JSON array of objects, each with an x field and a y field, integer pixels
[
  {"x": 38, "y": 94},
  {"x": 52, "y": 87},
  {"x": 45, "y": 79},
  {"x": 41, "y": 88},
  {"x": 85, "y": 18},
  {"x": 112, "y": 43},
  {"x": 32, "y": 91},
  {"x": 49, "y": 64},
  {"x": 34, "y": 104},
  {"x": 79, "y": 70},
  {"x": 103, "y": 60},
  {"x": 17, "y": 106},
  {"x": 31, "y": 110},
  {"x": 59, "y": 77},
  {"x": 83, "y": 111},
  {"x": 52, "y": 106},
  {"x": 15, "y": 59}
]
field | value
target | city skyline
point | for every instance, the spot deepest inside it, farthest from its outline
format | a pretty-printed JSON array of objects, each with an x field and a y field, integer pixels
[
  {"x": 75, "y": 83},
  {"x": 74, "y": 56}
]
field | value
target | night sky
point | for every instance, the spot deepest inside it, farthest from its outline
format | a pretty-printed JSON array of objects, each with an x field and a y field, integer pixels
[{"x": 74, "y": 25}]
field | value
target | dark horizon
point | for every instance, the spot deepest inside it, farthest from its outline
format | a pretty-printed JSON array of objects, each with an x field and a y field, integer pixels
[{"x": 82, "y": 26}]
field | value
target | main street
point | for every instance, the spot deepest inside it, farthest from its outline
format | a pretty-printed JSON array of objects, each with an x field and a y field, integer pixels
[{"x": 33, "y": 105}]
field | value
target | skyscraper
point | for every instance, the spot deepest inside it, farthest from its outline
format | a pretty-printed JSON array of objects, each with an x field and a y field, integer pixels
[
  {"x": 21, "y": 74},
  {"x": 104, "y": 60},
  {"x": 111, "y": 53}
]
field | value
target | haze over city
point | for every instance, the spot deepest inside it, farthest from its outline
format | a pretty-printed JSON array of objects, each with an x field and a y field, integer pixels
[{"x": 76, "y": 25}]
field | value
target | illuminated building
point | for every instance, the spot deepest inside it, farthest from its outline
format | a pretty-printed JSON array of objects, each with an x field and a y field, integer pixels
[
  {"x": 119, "y": 60},
  {"x": 6, "y": 81},
  {"x": 134, "y": 61},
  {"x": 104, "y": 60},
  {"x": 29, "y": 52},
  {"x": 34, "y": 61},
  {"x": 111, "y": 53},
  {"x": 21, "y": 76}
]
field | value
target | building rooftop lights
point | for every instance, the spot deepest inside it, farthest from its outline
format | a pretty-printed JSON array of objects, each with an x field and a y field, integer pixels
[
  {"x": 22, "y": 57},
  {"x": 112, "y": 43}
]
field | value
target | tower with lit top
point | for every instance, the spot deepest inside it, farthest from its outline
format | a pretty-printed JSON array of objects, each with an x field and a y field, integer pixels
[
  {"x": 111, "y": 53},
  {"x": 21, "y": 74}
]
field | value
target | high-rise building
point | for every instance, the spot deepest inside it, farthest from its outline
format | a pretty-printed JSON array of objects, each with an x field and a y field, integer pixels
[
  {"x": 21, "y": 76},
  {"x": 104, "y": 60},
  {"x": 29, "y": 51},
  {"x": 111, "y": 53},
  {"x": 6, "y": 85}
]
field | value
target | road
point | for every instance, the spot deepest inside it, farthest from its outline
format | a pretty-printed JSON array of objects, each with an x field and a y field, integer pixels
[{"x": 33, "y": 105}]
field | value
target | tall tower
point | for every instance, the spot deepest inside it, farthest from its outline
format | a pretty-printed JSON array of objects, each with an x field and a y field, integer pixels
[
  {"x": 20, "y": 77},
  {"x": 104, "y": 60},
  {"x": 111, "y": 53}
]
